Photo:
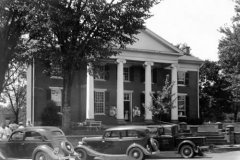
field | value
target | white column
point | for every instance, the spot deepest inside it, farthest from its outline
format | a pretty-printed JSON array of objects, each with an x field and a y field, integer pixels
[
  {"x": 30, "y": 94},
  {"x": 120, "y": 89},
  {"x": 90, "y": 97},
  {"x": 198, "y": 93},
  {"x": 174, "y": 110},
  {"x": 148, "y": 90}
]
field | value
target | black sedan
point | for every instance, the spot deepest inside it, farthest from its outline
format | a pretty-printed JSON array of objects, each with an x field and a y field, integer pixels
[
  {"x": 132, "y": 141},
  {"x": 37, "y": 143}
]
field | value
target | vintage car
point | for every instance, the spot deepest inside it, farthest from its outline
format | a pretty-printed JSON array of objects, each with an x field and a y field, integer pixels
[
  {"x": 37, "y": 143},
  {"x": 132, "y": 141},
  {"x": 169, "y": 138}
]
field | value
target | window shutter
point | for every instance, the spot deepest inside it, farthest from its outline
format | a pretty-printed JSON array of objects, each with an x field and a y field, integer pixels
[
  {"x": 131, "y": 70},
  {"x": 154, "y": 77},
  {"x": 48, "y": 93},
  {"x": 107, "y": 98},
  {"x": 187, "y": 106},
  {"x": 142, "y": 74},
  {"x": 106, "y": 72},
  {"x": 187, "y": 78},
  {"x": 142, "y": 101}
]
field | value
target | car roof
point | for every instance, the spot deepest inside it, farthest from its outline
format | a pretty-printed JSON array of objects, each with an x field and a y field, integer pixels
[
  {"x": 163, "y": 125},
  {"x": 127, "y": 127},
  {"x": 41, "y": 129}
]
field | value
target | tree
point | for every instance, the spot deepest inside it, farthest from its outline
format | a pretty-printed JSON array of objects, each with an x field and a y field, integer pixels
[
  {"x": 214, "y": 98},
  {"x": 162, "y": 101},
  {"x": 185, "y": 48},
  {"x": 14, "y": 17},
  {"x": 72, "y": 34},
  {"x": 14, "y": 92}
]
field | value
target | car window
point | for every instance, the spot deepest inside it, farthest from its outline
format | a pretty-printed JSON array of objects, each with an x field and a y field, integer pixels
[
  {"x": 132, "y": 133},
  {"x": 32, "y": 136},
  {"x": 123, "y": 133},
  {"x": 115, "y": 134},
  {"x": 167, "y": 131},
  {"x": 57, "y": 133},
  {"x": 17, "y": 136},
  {"x": 112, "y": 134}
]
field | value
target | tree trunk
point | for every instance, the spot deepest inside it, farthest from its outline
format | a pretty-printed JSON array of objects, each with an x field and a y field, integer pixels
[
  {"x": 3, "y": 69},
  {"x": 67, "y": 85}
]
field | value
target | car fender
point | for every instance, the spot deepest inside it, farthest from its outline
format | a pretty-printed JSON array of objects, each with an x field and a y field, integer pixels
[
  {"x": 135, "y": 145},
  {"x": 195, "y": 148},
  {"x": 46, "y": 149},
  {"x": 2, "y": 155},
  {"x": 89, "y": 150}
]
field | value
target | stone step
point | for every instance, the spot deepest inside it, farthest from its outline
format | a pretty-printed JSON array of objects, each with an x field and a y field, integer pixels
[
  {"x": 207, "y": 133},
  {"x": 216, "y": 141},
  {"x": 214, "y": 137}
]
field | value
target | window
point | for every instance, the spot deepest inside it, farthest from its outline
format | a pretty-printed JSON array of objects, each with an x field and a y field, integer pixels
[
  {"x": 182, "y": 105},
  {"x": 181, "y": 77},
  {"x": 100, "y": 73},
  {"x": 126, "y": 73},
  {"x": 99, "y": 102},
  {"x": 56, "y": 71},
  {"x": 17, "y": 136},
  {"x": 32, "y": 136}
]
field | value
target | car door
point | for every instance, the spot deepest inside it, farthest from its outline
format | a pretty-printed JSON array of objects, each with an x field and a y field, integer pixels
[
  {"x": 129, "y": 137},
  {"x": 14, "y": 145},
  {"x": 166, "y": 140},
  {"x": 110, "y": 143},
  {"x": 31, "y": 140}
]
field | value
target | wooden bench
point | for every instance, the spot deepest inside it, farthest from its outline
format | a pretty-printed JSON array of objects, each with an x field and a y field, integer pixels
[{"x": 92, "y": 124}]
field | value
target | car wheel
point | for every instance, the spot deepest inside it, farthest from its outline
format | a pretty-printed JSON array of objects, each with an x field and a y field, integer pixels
[
  {"x": 154, "y": 144},
  {"x": 82, "y": 154},
  {"x": 187, "y": 151},
  {"x": 67, "y": 147},
  {"x": 42, "y": 156},
  {"x": 136, "y": 154}
]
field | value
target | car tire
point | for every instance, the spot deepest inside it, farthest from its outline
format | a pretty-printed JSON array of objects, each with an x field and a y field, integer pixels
[
  {"x": 41, "y": 156},
  {"x": 82, "y": 154},
  {"x": 67, "y": 147},
  {"x": 136, "y": 153},
  {"x": 187, "y": 151},
  {"x": 154, "y": 144}
]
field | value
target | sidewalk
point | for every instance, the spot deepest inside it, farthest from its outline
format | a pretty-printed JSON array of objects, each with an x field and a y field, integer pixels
[{"x": 221, "y": 148}]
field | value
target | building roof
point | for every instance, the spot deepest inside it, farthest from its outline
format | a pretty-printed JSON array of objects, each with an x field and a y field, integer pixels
[{"x": 190, "y": 59}]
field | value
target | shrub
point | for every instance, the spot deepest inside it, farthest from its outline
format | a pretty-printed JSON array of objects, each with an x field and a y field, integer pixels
[{"x": 50, "y": 116}]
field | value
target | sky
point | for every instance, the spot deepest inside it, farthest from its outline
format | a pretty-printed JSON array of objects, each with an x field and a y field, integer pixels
[{"x": 194, "y": 22}]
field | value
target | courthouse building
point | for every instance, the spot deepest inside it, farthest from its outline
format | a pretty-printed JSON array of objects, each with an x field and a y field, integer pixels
[{"x": 121, "y": 92}]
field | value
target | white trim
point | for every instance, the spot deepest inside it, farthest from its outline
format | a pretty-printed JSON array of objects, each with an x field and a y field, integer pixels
[
  {"x": 55, "y": 87},
  {"x": 56, "y": 77},
  {"x": 100, "y": 89},
  {"x": 100, "y": 80},
  {"x": 128, "y": 91},
  {"x": 182, "y": 94}
]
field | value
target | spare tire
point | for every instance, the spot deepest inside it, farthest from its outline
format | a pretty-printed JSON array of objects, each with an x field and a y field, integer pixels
[
  {"x": 67, "y": 147},
  {"x": 154, "y": 144}
]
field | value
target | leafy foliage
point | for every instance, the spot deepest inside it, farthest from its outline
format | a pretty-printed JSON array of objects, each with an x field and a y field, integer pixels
[
  {"x": 14, "y": 92},
  {"x": 162, "y": 101},
  {"x": 14, "y": 17},
  {"x": 72, "y": 34},
  {"x": 50, "y": 116},
  {"x": 185, "y": 48},
  {"x": 214, "y": 98}
]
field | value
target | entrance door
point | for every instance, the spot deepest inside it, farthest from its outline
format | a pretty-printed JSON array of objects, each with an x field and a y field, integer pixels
[{"x": 128, "y": 107}]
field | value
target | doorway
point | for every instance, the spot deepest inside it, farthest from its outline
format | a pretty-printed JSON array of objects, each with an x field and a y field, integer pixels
[{"x": 128, "y": 106}]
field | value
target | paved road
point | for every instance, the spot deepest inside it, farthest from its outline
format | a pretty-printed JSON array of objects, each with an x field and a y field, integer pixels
[{"x": 235, "y": 155}]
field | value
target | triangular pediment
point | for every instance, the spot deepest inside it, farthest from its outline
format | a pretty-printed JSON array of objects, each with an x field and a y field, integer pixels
[{"x": 147, "y": 40}]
